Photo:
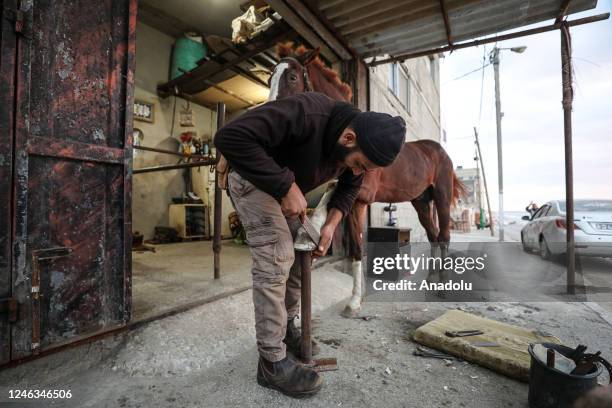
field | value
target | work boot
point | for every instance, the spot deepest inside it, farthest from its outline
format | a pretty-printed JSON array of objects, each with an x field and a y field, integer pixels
[
  {"x": 293, "y": 340},
  {"x": 288, "y": 377}
]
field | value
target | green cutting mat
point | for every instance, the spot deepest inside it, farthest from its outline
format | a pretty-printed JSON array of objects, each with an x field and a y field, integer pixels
[{"x": 510, "y": 358}]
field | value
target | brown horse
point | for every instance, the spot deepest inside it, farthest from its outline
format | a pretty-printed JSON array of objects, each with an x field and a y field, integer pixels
[{"x": 422, "y": 173}]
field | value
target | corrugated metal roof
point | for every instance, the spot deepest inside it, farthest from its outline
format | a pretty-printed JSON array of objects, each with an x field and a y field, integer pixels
[{"x": 392, "y": 27}]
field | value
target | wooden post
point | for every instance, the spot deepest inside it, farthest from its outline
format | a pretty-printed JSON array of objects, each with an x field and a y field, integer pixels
[
  {"x": 484, "y": 179},
  {"x": 305, "y": 259},
  {"x": 218, "y": 203},
  {"x": 361, "y": 85},
  {"x": 568, "y": 96}
]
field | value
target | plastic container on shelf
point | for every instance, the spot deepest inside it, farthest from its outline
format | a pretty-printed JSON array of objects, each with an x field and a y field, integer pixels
[{"x": 186, "y": 53}]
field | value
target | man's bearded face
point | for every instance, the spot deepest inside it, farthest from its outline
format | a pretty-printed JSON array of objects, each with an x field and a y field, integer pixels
[{"x": 341, "y": 152}]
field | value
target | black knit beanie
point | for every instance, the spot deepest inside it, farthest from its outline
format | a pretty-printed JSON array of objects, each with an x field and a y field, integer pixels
[{"x": 380, "y": 136}]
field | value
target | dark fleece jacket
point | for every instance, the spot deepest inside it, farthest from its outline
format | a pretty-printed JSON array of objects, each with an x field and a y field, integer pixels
[{"x": 289, "y": 140}]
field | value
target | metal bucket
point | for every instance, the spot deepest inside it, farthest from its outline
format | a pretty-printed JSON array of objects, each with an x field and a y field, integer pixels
[{"x": 551, "y": 388}]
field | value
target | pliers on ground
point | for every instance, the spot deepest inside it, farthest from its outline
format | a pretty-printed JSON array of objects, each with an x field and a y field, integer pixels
[
  {"x": 464, "y": 333},
  {"x": 423, "y": 352}
]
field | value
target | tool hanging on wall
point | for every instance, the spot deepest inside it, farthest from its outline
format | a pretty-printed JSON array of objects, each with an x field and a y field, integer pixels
[{"x": 186, "y": 117}]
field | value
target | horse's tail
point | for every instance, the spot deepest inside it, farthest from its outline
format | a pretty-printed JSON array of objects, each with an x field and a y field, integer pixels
[{"x": 459, "y": 189}]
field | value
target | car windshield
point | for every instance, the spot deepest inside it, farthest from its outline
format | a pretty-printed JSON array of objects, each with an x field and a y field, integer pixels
[{"x": 589, "y": 205}]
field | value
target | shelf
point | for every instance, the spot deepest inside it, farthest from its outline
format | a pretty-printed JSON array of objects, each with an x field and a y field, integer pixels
[{"x": 201, "y": 77}]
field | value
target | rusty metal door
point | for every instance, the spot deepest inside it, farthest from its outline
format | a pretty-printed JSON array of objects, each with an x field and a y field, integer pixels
[
  {"x": 8, "y": 42},
  {"x": 71, "y": 264}
]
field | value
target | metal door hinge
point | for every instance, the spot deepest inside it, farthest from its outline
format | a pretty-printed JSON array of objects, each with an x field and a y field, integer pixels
[
  {"x": 9, "y": 307},
  {"x": 20, "y": 19}
]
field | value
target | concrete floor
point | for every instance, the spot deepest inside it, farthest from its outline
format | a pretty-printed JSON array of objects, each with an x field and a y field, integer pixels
[
  {"x": 179, "y": 274},
  {"x": 206, "y": 357},
  {"x": 182, "y": 273}
]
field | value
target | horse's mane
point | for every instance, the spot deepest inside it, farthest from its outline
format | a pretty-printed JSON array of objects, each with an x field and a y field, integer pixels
[{"x": 287, "y": 50}]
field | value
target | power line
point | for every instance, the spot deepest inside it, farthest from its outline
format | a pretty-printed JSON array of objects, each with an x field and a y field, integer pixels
[
  {"x": 586, "y": 60},
  {"x": 467, "y": 73},
  {"x": 460, "y": 138},
  {"x": 484, "y": 57}
]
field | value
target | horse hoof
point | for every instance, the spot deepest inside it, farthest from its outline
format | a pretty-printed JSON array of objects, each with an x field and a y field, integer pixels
[{"x": 349, "y": 312}]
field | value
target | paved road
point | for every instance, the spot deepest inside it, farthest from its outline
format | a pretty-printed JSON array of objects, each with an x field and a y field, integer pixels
[{"x": 595, "y": 274}]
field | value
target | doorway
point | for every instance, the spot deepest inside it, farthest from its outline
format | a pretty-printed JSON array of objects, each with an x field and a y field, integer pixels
[{"x": 173, "y": 208}]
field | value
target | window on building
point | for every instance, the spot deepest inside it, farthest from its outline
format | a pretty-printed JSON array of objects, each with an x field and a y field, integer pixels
[
  {"x": 393, "y": 74},
  {"x": 404, "y": 90},
  {"x": 432, "y": 68},
  {"x": 399, "y": 84}
]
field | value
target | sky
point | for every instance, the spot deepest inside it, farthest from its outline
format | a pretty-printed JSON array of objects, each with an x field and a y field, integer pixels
[{"x": 532, "y": 125}]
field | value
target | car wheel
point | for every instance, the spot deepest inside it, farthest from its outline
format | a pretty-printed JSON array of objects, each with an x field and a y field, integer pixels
[
  {"x": 544, "y": 250},
  {"x": 525, "y": 247}
]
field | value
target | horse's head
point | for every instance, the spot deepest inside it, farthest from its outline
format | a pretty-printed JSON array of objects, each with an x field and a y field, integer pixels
[{"x": 290, "y": 75}]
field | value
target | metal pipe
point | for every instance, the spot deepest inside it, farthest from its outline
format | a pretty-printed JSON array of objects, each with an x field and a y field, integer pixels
[
  {"x": 218, "y": 203},
  {"x": 568, "y": 96},
  {"x": 157, "y": 150},
  {"x": 200, "y": 163},
  {"x": 500, "y": 165},
  {"x": 538, "y": 30},
  {"x": 305, "y": 259}
]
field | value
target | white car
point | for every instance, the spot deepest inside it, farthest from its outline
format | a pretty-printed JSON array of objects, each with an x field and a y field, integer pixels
[{"x": 546, "y": 230}]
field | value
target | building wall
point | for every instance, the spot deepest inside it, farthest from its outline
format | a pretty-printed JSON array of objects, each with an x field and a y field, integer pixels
[
  {"x": 153, "y": 192},
  {"x": 422, "y": 116},
  {"x": 470, "y": 177}
]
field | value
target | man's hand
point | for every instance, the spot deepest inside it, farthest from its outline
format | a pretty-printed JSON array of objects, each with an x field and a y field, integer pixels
[
  {"x": 334, "y": 216},
  {"x": 294, "y": 203},
  {"x": 327, "y": 233}
]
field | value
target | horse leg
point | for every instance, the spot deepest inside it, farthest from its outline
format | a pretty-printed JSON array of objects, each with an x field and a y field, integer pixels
[
  {"x": 442, "y": 199},
  {"x": 355, "y": 225},
  {"x": 425, "y": 213},
  {"x": 424, "y": 209}
]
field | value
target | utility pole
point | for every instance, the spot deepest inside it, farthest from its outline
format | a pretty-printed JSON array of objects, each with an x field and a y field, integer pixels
[
  {"x": 482, "y": 219},
  {"x": 500, "y": 167},
  {"x": 484, "y": 179},
  {"x": 478, "y": 189},
  {"x": 568, "y": 97},
  {"x": 494, "y": 59}
]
